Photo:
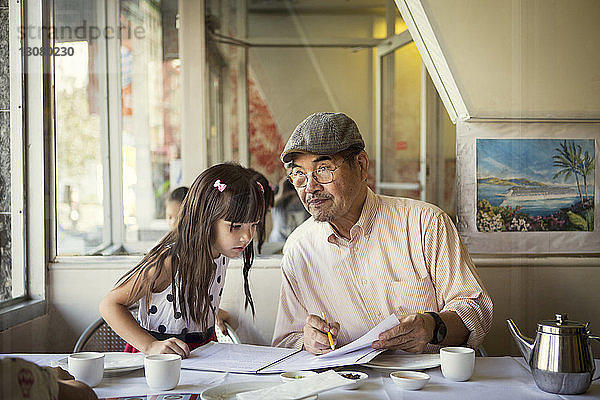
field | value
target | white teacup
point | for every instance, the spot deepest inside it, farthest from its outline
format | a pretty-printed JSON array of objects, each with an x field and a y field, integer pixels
[
  {"x": 87, "y": 367},
  {"x": 162, "y": 371},
  {"x": 457, "y": 363}
]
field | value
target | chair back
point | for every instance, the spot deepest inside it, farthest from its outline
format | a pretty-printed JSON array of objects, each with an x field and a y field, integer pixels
[{"x": 99, "y": 336}]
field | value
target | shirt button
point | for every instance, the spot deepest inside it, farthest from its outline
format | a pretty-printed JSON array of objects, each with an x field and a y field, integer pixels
[{"x": 364, "y": 283}]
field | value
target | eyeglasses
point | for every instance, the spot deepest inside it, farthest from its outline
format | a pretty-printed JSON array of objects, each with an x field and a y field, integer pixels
[{"x": 321, "y": 175}]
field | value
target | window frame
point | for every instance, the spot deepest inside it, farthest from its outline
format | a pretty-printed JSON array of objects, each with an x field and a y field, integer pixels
[{"x": 31, "y": 191}]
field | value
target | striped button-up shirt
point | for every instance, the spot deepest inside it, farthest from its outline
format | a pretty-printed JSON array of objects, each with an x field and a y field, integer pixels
[{"x": 404, "y": 256}]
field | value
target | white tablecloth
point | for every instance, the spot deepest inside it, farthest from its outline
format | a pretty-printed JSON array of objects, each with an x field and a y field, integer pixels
[{"x": 494, "y": 378}]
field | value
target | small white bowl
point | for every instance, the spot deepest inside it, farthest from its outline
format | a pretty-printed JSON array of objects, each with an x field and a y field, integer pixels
[
  {"x": 358, "y": 382},
  {"x": 292, "y": 376},
  {"x": 410, "y": 380}
]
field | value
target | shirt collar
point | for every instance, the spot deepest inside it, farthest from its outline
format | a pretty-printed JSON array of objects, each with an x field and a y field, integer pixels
[{"x": 363, "y": 226}]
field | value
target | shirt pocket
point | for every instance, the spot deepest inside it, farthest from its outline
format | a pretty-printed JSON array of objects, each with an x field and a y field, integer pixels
[{"x": 409, "y": 296}]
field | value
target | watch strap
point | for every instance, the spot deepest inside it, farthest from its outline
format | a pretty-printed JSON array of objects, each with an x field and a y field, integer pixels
[{"x": 439, "y": 332}]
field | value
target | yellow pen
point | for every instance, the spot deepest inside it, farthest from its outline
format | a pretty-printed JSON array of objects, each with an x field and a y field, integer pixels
[{"x": 328, "y": 332}]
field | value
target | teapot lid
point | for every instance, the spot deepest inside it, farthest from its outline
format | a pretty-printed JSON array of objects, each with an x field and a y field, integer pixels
[{"x": 562, "y": 326}]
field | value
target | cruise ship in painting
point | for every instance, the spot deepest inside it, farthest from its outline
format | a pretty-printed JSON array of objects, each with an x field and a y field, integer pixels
[{"x": 540, "y": 192}]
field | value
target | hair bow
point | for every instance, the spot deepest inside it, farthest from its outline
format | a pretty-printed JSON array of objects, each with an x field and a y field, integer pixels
[
  {"x": 262, "y": 189},
  {"x": 219, "y": 185}
]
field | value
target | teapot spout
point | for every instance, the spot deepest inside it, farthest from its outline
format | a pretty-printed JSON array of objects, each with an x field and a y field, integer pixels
[{"x": 525, "y": 343}]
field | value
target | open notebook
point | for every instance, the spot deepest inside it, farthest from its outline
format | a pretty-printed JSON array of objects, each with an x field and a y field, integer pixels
[{"x": 245, "y": 358}]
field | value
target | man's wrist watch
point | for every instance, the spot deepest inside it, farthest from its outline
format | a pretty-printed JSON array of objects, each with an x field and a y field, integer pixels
[{"x": 439, "y": 332}]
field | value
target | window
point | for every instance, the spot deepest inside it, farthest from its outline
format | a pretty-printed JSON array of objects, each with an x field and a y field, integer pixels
[
  {"x": 12, "y": 280},
  {"x": 23, "y": 255},
  {"x": 116, "y": 160}
]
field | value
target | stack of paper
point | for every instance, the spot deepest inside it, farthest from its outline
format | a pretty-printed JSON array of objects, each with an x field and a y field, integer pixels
[{"x": 244, "y": 358}]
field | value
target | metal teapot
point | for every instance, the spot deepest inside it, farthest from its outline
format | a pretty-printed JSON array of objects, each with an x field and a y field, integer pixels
[{"x": 560, "y": 357}]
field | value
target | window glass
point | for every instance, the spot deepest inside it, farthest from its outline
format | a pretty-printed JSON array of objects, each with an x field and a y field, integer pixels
[
  {"x": 12, "y": 278},
  {"x": 6, "y": 282},
  {"x": 150, "y": 113},
  {"x": 80, "y": 102},
  {"x": 5, "y": 211},
  {"x": 150, "y": 117},
  {"x": 401, "y": 135}
]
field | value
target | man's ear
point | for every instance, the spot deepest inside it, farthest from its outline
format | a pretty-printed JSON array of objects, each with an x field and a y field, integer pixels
[{"x": 363, "y": 162}]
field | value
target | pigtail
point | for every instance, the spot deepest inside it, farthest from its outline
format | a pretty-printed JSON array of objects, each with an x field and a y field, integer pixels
[{"x": 248, "y": 259}]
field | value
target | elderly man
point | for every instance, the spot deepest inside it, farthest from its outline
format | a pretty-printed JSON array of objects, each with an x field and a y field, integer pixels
[{"x": 362, "y": 257}]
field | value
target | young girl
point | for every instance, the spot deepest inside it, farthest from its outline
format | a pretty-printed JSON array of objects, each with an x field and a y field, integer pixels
[{"x": 180, "y": 281}]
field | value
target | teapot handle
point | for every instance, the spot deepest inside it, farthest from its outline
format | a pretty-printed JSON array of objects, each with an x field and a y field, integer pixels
[{"x": 597, "y": 338}]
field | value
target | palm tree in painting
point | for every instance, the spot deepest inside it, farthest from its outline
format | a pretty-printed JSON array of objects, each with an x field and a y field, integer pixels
[
  {"x": 586, "y": 168},
  {"x": 568, "y": 159}
]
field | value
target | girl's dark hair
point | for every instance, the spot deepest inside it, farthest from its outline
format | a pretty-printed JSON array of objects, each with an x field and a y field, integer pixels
[
  {"x": 269, "y": 201},
  {"x": 188, "y": 245},
  {"x": 178, "y": 194}
]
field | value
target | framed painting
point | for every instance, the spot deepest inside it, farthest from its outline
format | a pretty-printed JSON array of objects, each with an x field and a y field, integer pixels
[{"x": 528, "y": 187}]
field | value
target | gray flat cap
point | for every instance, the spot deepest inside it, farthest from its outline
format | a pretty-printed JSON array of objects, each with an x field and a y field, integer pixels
[{"x": 323, "y": 133}]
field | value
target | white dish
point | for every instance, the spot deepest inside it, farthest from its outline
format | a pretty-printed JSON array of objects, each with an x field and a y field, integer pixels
[
  {"x": 291, "y": 376},
  {"x": 404, "y": 362},
  {"x": 228, "y": 391},
  {"x": 410, "y": 380},
  {"x": 362, "y": 378},
  {"x": 115, "y": 362}
]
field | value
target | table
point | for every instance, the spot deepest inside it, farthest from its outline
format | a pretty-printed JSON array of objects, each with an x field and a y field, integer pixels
[{"x": 494, "y": 378}]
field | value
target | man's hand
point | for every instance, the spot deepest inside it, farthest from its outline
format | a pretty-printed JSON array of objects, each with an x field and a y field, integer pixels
[
  {"x": 222, "y": 317},
  {"x": 411, "y": 334},
  {"x": 169, "y": 346},
  {"x": 316, "y": 340}
]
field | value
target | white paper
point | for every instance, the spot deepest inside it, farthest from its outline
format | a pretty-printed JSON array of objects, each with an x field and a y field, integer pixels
[
  {"x": 299, "y": 389},
  {"x": 244, "y": 358},
  {"x": 365, "y": 340}
]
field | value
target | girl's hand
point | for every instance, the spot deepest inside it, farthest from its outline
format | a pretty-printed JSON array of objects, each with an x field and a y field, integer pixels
[
  {"x": 222, "y": 317},
  {"x": 169, "y": 346}
]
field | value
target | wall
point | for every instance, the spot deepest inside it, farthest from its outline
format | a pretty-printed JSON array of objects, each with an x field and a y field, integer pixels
[
  {"x": 522, "y": 58},
  {"x": 525, "y": 289}
]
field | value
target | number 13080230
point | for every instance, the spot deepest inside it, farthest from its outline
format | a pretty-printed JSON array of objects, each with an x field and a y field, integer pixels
[{"x": 56, "y": 51}]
